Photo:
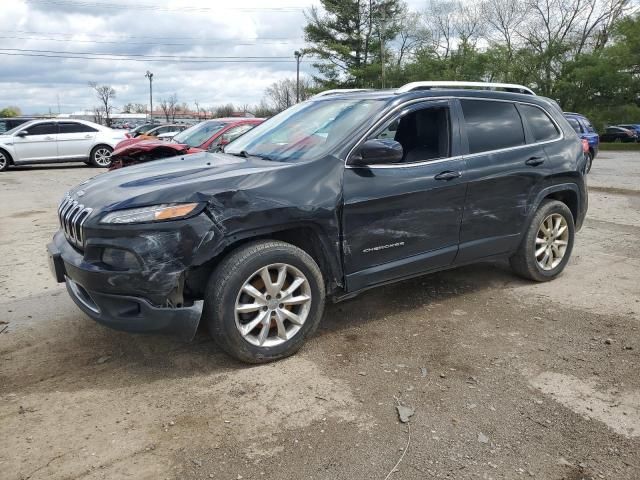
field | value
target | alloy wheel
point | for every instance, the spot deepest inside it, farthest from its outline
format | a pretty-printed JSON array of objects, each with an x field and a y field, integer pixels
[
  {"x": 102, "y": 157},
  {"x": 551, "y": 241},
  {"x": 3, "y": 161},
  {"x": 272, "y": 305}
]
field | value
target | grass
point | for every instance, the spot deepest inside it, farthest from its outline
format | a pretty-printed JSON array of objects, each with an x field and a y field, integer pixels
[{"x": 626, "y": 147}]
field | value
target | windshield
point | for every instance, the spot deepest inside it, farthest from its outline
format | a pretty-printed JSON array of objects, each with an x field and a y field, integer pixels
[
  {"x": 198, "y": 134},
  {"x": 307, "y": 130}
]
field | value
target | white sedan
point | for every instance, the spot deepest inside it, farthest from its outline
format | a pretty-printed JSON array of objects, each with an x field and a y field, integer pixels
[{"x": 55, "y": 141}]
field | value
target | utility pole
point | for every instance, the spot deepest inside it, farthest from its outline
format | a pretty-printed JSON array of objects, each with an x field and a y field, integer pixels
[
  {"x": 298, "y": 56},
  {"x": 382, "y": 29},
  {"x": 149, "y": 75}
]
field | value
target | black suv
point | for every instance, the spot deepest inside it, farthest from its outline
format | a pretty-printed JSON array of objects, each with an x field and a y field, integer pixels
[{"x": 335, "y": 195}]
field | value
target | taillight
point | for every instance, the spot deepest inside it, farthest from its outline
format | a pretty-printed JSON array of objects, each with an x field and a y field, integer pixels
[{"x": 585, "y": 145}]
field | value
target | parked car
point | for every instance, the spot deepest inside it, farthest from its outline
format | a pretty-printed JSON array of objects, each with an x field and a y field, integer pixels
[
  {"x": 7, "y": 124},
  {"x": 208, "y": 135},
  {"x": 618, "y": 134},
  {"x": 635, "y": 127},
  {"x": 141, "y": 129},
  {"x": 585, "y": 130},
  {"x": 56, "y": 141},
  {"x": 319, "y": 201}
]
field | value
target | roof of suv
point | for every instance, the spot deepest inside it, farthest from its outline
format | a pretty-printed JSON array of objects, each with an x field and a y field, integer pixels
[{"x": 392, "y": 95}]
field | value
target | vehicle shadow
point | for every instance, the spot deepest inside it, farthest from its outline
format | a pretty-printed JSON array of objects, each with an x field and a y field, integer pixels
[{"x": 74, "y": 352}]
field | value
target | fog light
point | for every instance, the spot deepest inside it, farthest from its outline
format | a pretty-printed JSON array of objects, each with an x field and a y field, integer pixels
[{"x": 119, "y": 259}]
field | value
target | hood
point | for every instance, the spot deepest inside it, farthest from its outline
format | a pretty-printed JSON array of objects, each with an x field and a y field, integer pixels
[
  {"x": 139, "y": 145},
  {"x": 190, "y": 178}
]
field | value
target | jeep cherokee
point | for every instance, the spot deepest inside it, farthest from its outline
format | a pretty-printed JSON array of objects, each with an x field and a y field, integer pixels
[{"x": 341, "y": 193}]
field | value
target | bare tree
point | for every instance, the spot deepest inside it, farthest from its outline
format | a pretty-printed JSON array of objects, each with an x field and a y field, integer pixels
[
  {"x": 169, "y": 107},
  {"x": 412, "y": 35},
  {"x": 223, "y": 110},
  {"x": 106, "y": 94},
  {"x": 503, "y": 18},
  {"x": 282, "y": 94},
  {"x": 97, "y": 115},
  {"x": 139, "y": 108}
]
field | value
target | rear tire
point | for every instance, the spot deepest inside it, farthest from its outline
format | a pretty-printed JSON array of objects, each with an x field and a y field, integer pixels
[
  {"x": 101, "y": 156},
  {"x": 5, "y": 160},
  {"x": 263, "y": 301},
  {"x": 589, "y": 159},
  {"x": 547, "y": 243}
]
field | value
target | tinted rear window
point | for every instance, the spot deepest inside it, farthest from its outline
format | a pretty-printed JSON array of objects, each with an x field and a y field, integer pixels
[
  {"x": 492, "y": 125},
  {"x": 575, "y": 124},
  {"x": 540, "y": 124},
  {"x": 72, "y": 127}
]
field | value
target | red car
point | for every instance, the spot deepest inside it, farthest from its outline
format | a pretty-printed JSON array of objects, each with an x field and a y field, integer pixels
[{"x": 208, "y": 135}]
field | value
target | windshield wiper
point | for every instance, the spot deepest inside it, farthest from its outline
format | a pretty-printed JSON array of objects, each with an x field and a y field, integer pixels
[{"x": 246, "y": 154}]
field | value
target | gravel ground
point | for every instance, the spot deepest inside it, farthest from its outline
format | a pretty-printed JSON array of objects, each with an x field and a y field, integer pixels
[{"x": 507, "y": 379}]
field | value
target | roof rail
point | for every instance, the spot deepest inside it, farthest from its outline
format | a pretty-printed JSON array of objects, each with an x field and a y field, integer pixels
[
  {"x": 509, "y": 87},
  {"x": 338, "y": 91}
]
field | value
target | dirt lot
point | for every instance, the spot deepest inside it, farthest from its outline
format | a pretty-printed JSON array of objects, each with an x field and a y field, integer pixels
[{"x": 508, "y": 379}]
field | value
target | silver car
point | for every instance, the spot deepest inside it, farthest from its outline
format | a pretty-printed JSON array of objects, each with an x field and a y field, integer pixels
[{"x": 55, "y": 140}]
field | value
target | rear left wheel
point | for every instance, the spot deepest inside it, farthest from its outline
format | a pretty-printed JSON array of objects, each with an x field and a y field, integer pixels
[
  {"x": 547, "y": 243},
  {"x": 101, "y": 156},
  {"x": 589, "y": 161}
]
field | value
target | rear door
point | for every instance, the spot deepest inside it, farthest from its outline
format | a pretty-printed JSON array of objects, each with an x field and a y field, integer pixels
[
  {"x": 40, "y": 143},
  {"x": 75, "y": 140},
  {"x": 403, "y": 219},
  {"x": 506, "y": 165}
]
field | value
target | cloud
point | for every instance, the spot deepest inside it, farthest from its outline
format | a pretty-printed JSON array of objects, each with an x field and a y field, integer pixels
[{"x": 195, "y": 28}]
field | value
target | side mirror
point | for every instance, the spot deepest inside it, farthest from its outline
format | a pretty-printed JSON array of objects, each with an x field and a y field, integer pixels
[
  {"x": 22, "y": 133},
  {"x": 378, "y": 151}
]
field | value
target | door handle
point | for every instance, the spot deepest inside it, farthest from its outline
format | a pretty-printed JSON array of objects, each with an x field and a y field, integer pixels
[
  {"x": 448, "y": 175},
  {"x": 535, "y": 161},
  {"x": 87, "y": 136},
  {"x": 48, "y": 138}
]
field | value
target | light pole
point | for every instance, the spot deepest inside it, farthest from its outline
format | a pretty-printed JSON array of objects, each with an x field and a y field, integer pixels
[
  {"x": 298, "y": 56},
  {"x": 149, "y": 75}
]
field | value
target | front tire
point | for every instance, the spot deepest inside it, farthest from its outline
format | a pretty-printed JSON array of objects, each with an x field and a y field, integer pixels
[
  {"x": 5, "y": 160},
  {"x": 547, "y": 243},
  {"x": 101, "y": 156},
  {"x": 263, "y": 301}
]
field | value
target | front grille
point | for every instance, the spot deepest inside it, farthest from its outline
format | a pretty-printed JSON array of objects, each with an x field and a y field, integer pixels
[{"x": 72, "y": 216}]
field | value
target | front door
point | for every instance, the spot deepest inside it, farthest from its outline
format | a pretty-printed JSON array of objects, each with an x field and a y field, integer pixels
[
  {"x": 39, "y": 144},
  {"x": 403, "y": 219},
  {"x": 75, "y": 140}
]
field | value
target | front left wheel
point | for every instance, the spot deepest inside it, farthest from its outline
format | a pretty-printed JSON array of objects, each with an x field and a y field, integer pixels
[
  {"x": 264, "y": 300},
  {"x": 101, "y": 156},
  {"x": 5, "y": 160}
]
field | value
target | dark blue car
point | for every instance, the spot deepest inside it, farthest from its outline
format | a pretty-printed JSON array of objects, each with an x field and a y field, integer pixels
[
  {"x": 584, "y": 129},
  {"x": 635, "y": 127}
]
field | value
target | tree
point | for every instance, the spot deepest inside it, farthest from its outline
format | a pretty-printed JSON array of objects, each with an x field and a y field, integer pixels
[
  {"x": 281, "y": 95},
  {"x": 350, "y": 38},
  {"x": 169, "y": 107},
  {"x": 10, "y": 111},
  {"x": 222, "y": 111},
  {"x": 105, "y": 94},
  {"x": 139, "y": 108},
  {"x": 127, "y": 108}
]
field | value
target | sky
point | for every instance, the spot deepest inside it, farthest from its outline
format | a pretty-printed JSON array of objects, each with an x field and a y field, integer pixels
[{"x": 34, "y": 34}]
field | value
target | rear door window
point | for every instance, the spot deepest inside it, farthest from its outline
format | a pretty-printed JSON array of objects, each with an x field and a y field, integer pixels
[
  {"x": 575, "y": 124},
  {"x": 492, "y": 125},
  {"x": 72, "y": 127},
  {"x": 4, "y": 126},
  {"x": 542, "y": 128}
]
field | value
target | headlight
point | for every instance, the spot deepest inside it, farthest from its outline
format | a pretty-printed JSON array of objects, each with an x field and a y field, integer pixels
[{"x": 154, "y": 213}]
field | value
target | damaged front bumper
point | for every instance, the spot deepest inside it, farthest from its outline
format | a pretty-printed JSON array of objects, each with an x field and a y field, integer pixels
[{"x": 91, "y": 288}]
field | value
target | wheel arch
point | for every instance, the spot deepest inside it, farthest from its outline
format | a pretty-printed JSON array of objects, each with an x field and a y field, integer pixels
[
  {"x": 308, "y": 237},
  {"x": 567, "y": 193},
  {"x": 5, "y": 152}
]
